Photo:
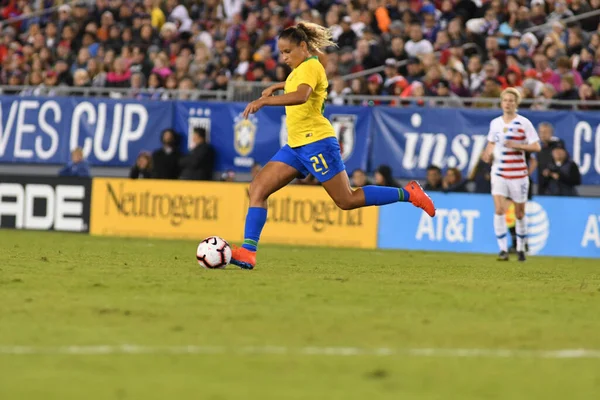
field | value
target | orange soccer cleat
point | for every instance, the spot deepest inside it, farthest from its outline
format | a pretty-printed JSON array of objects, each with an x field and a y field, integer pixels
[
  {"x": 419, "y": 198},
  {"x": 243, "y": 258}
]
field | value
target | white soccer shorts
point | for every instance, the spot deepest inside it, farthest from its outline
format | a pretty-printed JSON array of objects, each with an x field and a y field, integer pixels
[{"x": 516, "y": 189}]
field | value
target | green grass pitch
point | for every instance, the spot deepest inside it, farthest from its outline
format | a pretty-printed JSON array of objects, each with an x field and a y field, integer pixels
[{"x": 308, "y": 323}]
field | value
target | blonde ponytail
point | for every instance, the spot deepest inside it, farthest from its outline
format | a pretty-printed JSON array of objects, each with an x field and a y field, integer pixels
[{"x": 318, "y": 37}]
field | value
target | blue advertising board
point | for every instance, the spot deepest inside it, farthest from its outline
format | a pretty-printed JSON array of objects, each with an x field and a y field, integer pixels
[
  {"x": 241, "y": 142},
  {"x": 410, "y": 139},
  {"x": 113, "y": 132},
  {"x": 464, "y": 223}
]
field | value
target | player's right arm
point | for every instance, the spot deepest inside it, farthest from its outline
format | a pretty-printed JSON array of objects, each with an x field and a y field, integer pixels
[
  {"x": 488, "y": 152},
  {"x": 272, "y": 89}
]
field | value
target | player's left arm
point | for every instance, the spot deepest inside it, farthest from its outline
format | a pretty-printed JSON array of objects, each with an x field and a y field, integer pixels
[
  {"x": 300, "y": 96},
  {"x": 309, "y": 78}
]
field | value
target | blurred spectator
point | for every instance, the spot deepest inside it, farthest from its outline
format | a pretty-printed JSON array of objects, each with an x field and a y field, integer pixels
[
  {"x": 491, "y": 90},
  {"x": 417, "y": 45},
  {"x": 96, "y": 73},
  {"x": 564, "y": 67},
  {"x": 199, "y": 163},
  {"x": 586, "y": 93},
  {"x": 139, "y": 62},
  {"x": 476, "y": 74},
  {"x": 560, "y": 11},
  {"x": 458, "y": 86},
  {"x": 359, "y": 178},
  {"x": 540, "y": 161},
  {"x": 374, "y": 84},
  {"x": 568, "y": 91},
  {"x": 443, "y": 90},
  {"x": 414, "y": 70},
  {"x": 392, "y": 76},
  {"x": 165, "y": 161},
  {"x": 585, "y": 63},
  {"x": 186, "y": 86},
  {"x": 228, "y": 176},
  {"x": 152, "y": 8},
  {"x": 77, "y": 167},
  {"x": 142, "y": 168},
  {"x": 338, "y": 90},
  {"x": 562, "y": 175},
  {"x": 137, "y": 84},
  {"x": 383, "y": 176},
  {"x": 120, "y": 75},
  {"x": 544, "y": 100},
  {"x": 434, "y": 179},
  {"x": 347, "y": 37},
  {"x": 81, "y": 78},
  {"x": 453, "y": 181},
  {"x": 416, "y": 90}
]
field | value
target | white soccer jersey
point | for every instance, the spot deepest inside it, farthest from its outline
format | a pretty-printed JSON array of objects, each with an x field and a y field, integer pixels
[{"x": 510, "y": 163}]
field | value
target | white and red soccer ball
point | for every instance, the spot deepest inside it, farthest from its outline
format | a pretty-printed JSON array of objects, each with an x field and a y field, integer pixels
[{"x": 213, "y": 253}]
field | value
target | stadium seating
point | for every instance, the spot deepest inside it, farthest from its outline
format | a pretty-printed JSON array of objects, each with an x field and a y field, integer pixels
[{"x": 415, "y": 48}]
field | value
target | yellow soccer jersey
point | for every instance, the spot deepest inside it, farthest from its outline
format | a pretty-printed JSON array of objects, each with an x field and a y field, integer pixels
[{"x": 305, "y": 122}]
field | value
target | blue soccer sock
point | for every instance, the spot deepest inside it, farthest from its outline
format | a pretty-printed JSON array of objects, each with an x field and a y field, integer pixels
[
  {"x": 255, "y": 220},
  {"x": 380, "y": 195}
]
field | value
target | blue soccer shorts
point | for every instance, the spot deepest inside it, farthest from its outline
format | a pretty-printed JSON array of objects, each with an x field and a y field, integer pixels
[{"x": 322, "y": 159}]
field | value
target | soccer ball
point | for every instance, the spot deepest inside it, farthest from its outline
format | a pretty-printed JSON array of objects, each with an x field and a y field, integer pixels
[{"x": 213, "y": 253}]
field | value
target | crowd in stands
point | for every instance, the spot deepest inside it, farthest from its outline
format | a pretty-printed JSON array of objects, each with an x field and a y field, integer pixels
[
  {"x": 451, "y": 48},
  {"x": 445, "y": 48}
]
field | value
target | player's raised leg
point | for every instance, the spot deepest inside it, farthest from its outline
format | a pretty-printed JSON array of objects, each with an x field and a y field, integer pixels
[
  {"x": 323, "y": 159},
  {"x": 340, "y": 190},
  {"x": 500, "y": 206},
  {"x": 271, "y": 178}
]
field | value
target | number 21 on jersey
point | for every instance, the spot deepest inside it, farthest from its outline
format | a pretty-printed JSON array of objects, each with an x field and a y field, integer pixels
[{"x": 319, "y": 163}]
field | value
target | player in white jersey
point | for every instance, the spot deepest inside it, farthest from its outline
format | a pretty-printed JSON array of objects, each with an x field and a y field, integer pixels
[{"x": 510, "y": 136}]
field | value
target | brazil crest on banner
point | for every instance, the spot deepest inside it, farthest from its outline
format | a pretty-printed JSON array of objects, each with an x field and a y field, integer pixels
[{"x": 244, "y": 135}]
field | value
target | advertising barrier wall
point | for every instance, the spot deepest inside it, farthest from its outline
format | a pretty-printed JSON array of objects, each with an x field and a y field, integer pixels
[
  {"x": 300, "y": 215},
  {"x": 167, "y": 209},
  {"x": 28, "y": 202},
  {"x": 409, "y": 140},
  {"x": 241, "y": 142},
  {"x": 194, "y": 210},
  {"x": 557, "y": 226},
  {"x": 113, "y": 132},
  {"x": 307, "y": 216}
]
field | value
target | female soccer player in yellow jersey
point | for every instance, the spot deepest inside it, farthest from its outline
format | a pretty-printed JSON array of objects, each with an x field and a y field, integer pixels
[{"x": 312, "y": 145}]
